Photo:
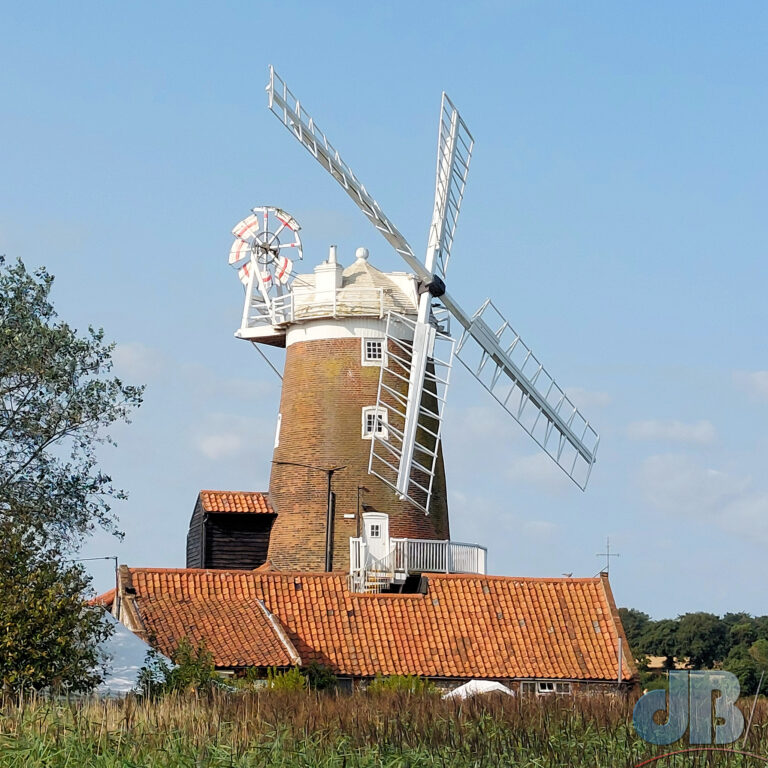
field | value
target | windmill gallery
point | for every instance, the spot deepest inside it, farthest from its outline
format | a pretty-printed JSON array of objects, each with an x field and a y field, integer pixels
[{"x": 347, "y": 560}]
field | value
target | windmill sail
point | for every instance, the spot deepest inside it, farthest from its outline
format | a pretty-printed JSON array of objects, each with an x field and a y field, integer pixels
[
  {"x": 555, "y": 423},
  {"x": 395, "y": 397},
  {"x": 454, "y": 150},
  {"x": 496, "y": 356}
]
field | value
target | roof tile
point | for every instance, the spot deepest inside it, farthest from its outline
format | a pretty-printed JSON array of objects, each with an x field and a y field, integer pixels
[
  {"x": 451, "y": 632},
  {"x": 236, "y": 501}
]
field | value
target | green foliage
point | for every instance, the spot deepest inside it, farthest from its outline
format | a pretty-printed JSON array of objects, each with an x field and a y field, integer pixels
[
  {"x": 738, "y": 642},
  {"x": 48, "y": 635},
  {"x": 289, "y": 680},
  {"x": 402, "y": 684},
  {"x": 193, "y": 670},
  {"x": 154, "y": 676},
  {"x": 743, "y": 633},
  {"x": 635, "y": 623},
  {"x": 194, "y": 667},
  {"x": 56, "y": 401},
  {"x": 660, "y": 639},
  {"x": 701, "y": 638},
  {"x": 294, "y": 730},
  {"x": 759, "y": 652},
  {"x": 319, "y": 677}
]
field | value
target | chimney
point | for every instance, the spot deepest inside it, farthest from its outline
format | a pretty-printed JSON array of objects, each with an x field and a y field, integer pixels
[{"x": 328, "y": 275}]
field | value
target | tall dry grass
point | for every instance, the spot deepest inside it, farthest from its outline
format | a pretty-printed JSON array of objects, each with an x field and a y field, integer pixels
[{"x": 305, "y": 729}]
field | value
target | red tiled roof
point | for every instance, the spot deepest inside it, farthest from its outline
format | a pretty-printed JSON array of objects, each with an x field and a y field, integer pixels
[
  {"x": 236, "y": 501},
  {"x": 105, "y": 599},
  {"x": 465, "y": 627}
]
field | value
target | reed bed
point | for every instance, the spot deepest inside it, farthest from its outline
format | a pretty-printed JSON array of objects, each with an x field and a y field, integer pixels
[{"x": 288, "y": 730}]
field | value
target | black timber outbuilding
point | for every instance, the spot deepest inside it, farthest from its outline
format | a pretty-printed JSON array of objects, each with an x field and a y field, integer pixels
[{"x": 229, "y": 530}]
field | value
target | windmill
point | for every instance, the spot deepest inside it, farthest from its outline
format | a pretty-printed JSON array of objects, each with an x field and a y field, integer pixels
[
  {"x": 490, "y": 349},
  {"x": 368, "y": 362}
]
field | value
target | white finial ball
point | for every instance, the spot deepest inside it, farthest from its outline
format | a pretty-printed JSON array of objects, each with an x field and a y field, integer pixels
[{"x": 361, "y": 254}]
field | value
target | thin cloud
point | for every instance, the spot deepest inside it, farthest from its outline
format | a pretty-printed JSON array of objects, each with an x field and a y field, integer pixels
[
  {"x": 540, "y": 528},
  {"x": 537, "y": 469},
  {"x": 755, "y": 384},
  {"x": 134, "y": 360},
  {"x": 696, "y": 433},
  {"x": 678, "y": 486},
  {"x": 224, "y": 445},
  {"x": 587, "y": 398}
]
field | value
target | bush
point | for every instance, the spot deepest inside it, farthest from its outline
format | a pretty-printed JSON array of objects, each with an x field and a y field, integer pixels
[
  {"x": 401, "y": 684},
  {"x": 319, "y": 677},
  {"x": 290, "y": 680},
  {"x": 193, "y": 671},
  {"x": 154, "y": 676}
]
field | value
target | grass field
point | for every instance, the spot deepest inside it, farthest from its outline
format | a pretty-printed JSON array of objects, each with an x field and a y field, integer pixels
[{"x": 306, "y": 729}]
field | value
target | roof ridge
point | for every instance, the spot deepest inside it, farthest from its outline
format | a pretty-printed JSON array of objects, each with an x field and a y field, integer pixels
[
  {"x": 340, "y": 575},
  {"x": 212, "y": 490}
]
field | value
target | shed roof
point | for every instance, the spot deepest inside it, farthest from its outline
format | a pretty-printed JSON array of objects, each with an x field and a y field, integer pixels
[
  {"x": 464, "y": 627},
  {"x": 236, "y": 501}
]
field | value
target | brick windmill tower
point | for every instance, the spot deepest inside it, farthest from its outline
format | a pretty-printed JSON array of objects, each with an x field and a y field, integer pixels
[
  {"x": 357, "y": 477},
  {"x": 333, "y": 325}
]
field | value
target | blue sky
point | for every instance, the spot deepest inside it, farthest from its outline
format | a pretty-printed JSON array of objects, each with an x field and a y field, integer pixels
[{"x": 615, "y": 211}]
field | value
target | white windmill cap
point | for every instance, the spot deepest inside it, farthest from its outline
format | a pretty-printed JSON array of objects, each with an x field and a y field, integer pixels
[{"x": 361, "y": 254}]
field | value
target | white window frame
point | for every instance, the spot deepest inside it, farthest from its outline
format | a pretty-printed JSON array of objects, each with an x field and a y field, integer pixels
[
  {"x": 364, "y": 359},
  {"x": 375, "y": 531},
  {"x": 382, "y": 414},
  {"x": 277, "y": 429},
  {"x": 552, "y": 687}
]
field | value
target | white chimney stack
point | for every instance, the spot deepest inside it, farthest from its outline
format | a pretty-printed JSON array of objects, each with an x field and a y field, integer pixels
[{"x": 328, "y": 276}]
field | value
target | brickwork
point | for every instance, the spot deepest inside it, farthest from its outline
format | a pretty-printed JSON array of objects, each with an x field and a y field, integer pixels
[{"x": 325, "y": 388}]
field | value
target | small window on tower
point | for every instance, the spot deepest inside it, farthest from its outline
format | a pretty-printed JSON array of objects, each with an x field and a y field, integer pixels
[
  {"x": 375, "y": 531},
  {"x": 373, "y": 351},
  {"x": 375, "y": 422}
]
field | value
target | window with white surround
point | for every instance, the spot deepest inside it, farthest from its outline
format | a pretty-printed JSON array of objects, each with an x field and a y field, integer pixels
[
  {"x": 375, "y": 422},
  {"x": 277, "y": 430},
  {"x": 544, "y": 687},
  {"x": 375, "y": 531},
  {"x": 373, "y": 351}
]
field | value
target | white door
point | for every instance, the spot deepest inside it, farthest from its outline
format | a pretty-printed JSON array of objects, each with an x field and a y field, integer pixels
[{"x": 376, "y": 533}]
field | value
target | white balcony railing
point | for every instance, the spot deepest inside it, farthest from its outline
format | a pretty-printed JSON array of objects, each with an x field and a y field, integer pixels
[
  {"x": 411, "y": 556},
  {"x": 299, "y": 304}
]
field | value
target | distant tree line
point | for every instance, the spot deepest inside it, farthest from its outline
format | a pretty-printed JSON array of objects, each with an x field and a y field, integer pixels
[{"x": 736, "y": 642}]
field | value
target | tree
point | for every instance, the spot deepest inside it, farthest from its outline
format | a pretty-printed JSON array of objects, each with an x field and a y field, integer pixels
[
  {"x": 48, "y": 636},
  {"x": 56, "y": 401},
  {"x": 635, "y": 623},
  {"x": 660, "y": 639},
  {"x": 702, "y": 638}
]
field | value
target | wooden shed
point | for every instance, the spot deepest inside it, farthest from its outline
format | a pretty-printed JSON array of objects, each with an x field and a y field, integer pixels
[{"x": 229, "y": 529}]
